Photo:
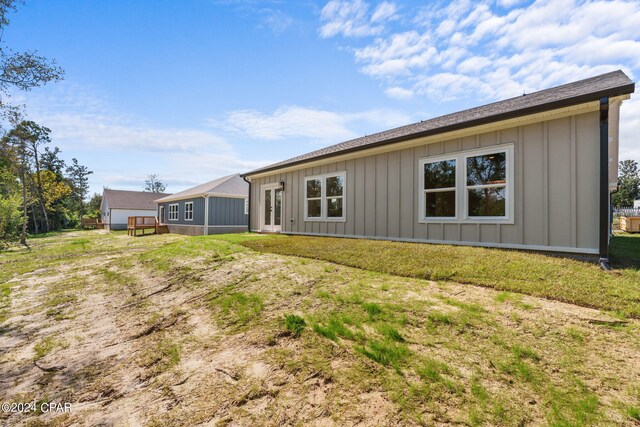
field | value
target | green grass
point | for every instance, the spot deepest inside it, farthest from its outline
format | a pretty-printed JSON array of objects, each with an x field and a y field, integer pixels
[
  {"x": 294, "y": 324},
  {"x": 46, "y": 346},
  {"x": 386, "y": 353},
  {"x": 239, "y": 307},
  {"x": 160, "y": 356},
  {"x": 562, "y": 279},
  {"x": 204, "y": 248},
  {"x": 435, "y": 354}
]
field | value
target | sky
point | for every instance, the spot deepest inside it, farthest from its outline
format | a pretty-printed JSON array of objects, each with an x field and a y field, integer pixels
[{"x": 194, "y": 90}]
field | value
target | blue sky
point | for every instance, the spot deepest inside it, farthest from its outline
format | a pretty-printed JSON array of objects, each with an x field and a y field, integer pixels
[{"x": 198, "y": 89}]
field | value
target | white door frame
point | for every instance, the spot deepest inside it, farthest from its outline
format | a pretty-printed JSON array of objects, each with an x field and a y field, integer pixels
[
  {"x": 271, "y": 227},
  {"x": 162, "y": 214}
]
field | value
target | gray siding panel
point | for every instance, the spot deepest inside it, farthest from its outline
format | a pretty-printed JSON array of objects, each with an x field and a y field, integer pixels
[
  {"x": 587, "y": 180},
  {"x": 554, "y": 187},
  {"x": 559, "y": 182},
  {"x": 226, "y": 211},
  {"x": 393, "y": 200},
  {"x": 198, "y": 211},
  {"x": 532, "y": 170}
]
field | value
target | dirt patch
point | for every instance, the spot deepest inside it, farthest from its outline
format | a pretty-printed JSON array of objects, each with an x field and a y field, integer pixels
[{"x": 204, "y": 343}]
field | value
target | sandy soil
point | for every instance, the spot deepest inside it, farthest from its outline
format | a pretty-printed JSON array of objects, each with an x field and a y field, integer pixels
[{"x": 111, "y": 346}]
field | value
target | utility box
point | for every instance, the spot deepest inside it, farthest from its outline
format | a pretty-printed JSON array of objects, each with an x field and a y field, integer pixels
[{"x": 630, "y": 224}]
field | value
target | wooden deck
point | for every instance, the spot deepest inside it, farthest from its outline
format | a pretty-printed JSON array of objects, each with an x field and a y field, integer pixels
[{"x": 135, "y": 223}]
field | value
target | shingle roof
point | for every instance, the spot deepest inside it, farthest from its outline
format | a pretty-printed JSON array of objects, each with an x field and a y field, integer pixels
[
  {"x": 232, "y": 185},
  {"x": 121, "y": 199},
  {"x": 610, "y": 84}
]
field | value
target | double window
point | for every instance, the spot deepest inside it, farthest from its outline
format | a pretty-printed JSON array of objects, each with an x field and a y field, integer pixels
[
  {"x": 324, "y": 197},
  {"x": 188, "y": 211},
  {"x": 475, "y": 185},
  {"x": 173, "y": 212}
]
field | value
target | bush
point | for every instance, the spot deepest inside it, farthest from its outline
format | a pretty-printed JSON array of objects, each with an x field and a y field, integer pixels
[{"x": 10, "y": 218}]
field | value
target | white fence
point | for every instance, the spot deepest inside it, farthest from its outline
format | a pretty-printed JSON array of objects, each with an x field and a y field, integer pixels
[{"x": 626, "y": 211}]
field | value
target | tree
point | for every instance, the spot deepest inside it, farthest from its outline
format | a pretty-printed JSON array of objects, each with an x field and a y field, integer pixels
[
  {"x": 10, "y": 202},
  {"x": 34, "y": 136},
  {"x": 79, "y": 177},
  {"x": 15, "y": 141},
  {"x": 154, "y": 185},
  {"x": 628, "y": 185},
  {"x": 51, "y": 161},
  {"x": 21, "y": 70},
  {"x": 93, "y": 207}
]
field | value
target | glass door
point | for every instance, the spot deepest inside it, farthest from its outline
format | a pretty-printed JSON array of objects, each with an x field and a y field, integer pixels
[{"x": 271, "y": 208}]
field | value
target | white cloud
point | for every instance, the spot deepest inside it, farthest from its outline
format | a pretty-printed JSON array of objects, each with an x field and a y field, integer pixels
[
  {"x": 309, "y": 123},
  {"x": 277, "y": 21},
  {"x": 122, "y": 149},
  {"x": 397, "y": 55},
  {"x": 630, "y": 129},
  {"x": 487, "y": 50},
  {"x": 397, "y": 92},
  {"x": 79, "y": 118},
  {"x": 352, "y": 18},
  {"x": 385, "y": 11}
]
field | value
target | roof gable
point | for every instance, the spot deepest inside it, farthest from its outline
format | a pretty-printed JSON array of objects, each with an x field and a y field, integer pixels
[
  {"x": 122, "y": 199},
  {"x": 231, "y": 185}
]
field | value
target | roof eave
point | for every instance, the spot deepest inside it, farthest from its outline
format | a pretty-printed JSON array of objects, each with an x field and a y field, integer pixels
[{"x": 594, "y": 96}]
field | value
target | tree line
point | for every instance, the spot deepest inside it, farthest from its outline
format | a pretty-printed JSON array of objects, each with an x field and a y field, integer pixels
[{"x": 39, "y": 192}]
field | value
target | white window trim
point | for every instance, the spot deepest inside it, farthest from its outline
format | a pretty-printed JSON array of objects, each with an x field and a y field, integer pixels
[
  {"x": 246, "y": 206},
  {"x": 462, "y": 194},
  {"x": 421, "y": 214},
  {"x": 177, "y": 212},
  {"x": 323, "y": 197},
  {"x": 186, "y": 211}
]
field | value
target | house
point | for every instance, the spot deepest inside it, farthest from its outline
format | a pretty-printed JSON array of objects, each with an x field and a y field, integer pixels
[
  {"x": 531, "y": 172},
  {"x": 218, "y": 206},
  {"x": 118, "y": 205}
]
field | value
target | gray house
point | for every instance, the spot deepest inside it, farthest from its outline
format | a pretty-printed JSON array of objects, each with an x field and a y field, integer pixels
[
  {"x": 531, "y": 172},
  {"x": 218, "y": 206},
  {"x": 118, "y": 205}
]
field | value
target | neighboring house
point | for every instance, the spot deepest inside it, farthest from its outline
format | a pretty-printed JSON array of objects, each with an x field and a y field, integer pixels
[
  {"x": 530, "y": 172},
  {"x": 218, "y": 206},
  {"x": 636, "y": 204},
  {"x": 118, "y": 205}
]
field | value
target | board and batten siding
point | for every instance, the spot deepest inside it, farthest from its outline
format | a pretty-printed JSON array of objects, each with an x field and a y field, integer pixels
[
  {"x": 198, "y": 211},
  {"x": 555, "y": 189},
  {"x": 227, "y": 211},
  {"x": 222, "y": 211}
]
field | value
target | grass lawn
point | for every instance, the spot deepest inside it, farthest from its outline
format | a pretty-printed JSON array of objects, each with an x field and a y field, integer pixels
[
  {"x": 173, "y": 330},
  {"x": 562, "y": 279}
]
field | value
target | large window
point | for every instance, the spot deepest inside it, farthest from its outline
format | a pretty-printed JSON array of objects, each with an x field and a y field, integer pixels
[
  {"x": 487, "y": 185},
  {"x": 470, "y": 186},
  {"x": 439, "y": 188},
  {"x": 188, "y": 211},
  {"x": 324, "y": 197},
  {"x": 173, "y": 212}
]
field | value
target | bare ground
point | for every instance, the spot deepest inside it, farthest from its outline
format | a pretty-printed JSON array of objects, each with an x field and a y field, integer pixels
[{"x": 130, "y": 345}]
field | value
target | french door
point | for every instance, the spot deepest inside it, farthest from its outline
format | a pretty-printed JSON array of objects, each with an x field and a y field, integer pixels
[{"x": 271, "y": 208}]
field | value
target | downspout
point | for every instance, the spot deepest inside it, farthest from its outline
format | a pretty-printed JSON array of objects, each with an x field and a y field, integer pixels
[
  {"x": 206, "y": 214},
  {"x": 604, "y": 185},
  {"x": 248, "y": 181}
]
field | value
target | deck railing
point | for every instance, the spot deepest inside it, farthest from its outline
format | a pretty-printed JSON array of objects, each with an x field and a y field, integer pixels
[{"x": 135, "y": 223}]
